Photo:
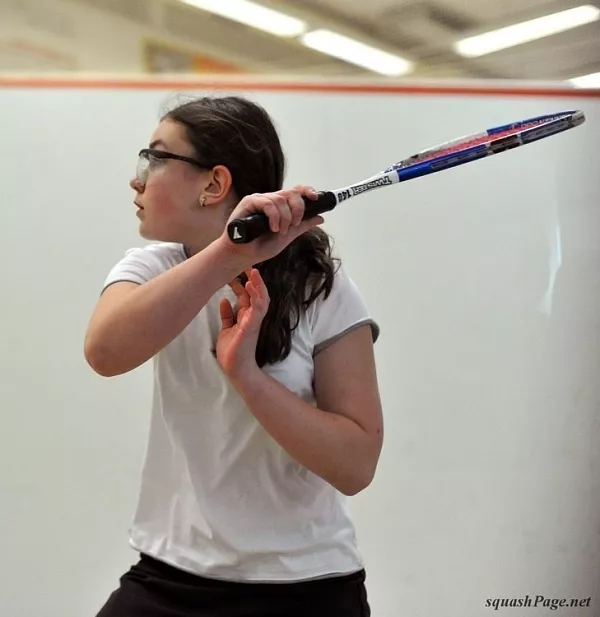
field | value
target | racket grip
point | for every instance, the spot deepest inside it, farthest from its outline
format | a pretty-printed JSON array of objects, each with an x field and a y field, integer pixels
[{"x": 248, "y": 228}]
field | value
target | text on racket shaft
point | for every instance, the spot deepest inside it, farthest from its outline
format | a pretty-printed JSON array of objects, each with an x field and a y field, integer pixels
[{"x": 361, "y": 188}]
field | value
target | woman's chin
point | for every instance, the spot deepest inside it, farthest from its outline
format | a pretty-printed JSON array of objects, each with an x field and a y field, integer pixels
[
  {"x": 145, "y": 231},
  {"x": 153, "y": 235}
]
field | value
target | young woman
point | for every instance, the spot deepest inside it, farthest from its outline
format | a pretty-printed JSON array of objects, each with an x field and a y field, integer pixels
[{"x": 266, "y": 412}]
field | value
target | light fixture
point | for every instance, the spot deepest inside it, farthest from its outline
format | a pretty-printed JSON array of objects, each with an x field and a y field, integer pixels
[
  {"x": 526, "y": 31},
  {"x": 254, "y": 15},
  {"x": 586, "y": 81},
  {"x": 355, "y": 52}
]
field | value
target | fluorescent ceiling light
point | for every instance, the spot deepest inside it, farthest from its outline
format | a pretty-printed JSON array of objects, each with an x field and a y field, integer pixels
[
  {"x": 526, "y": 31},
  {"x": 587, "y": 81},
  {"x": 254, "y": 15},
  {"x": 357, "y": 53}
]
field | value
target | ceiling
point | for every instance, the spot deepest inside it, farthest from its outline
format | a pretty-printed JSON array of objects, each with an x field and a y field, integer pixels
[
  {"x": 420, "y": 30},
  {"x": 425, "y": 29}
]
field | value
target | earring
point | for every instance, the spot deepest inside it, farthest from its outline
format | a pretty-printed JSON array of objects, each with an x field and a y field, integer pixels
[{"x": 202, "y": 200}]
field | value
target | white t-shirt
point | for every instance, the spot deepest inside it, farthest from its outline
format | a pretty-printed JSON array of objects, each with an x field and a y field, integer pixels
[{"x": 219, "y": 496}]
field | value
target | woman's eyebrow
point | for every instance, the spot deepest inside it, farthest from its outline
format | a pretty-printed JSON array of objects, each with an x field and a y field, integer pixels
[{"x": 158, "y": 142}]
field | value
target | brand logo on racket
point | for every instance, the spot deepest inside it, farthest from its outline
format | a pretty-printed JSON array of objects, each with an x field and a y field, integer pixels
[{"x": 373, "y": 184}]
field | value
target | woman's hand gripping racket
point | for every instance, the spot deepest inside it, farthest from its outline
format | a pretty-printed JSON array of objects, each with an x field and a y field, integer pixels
[{"x": 449, "y": 154}]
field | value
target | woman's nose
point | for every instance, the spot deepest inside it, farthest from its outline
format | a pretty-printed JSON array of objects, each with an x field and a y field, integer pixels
[{"x": 136, "y": 185}]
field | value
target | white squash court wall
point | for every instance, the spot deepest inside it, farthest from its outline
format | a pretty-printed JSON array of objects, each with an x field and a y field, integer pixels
[{"x": 485, "y": 280}]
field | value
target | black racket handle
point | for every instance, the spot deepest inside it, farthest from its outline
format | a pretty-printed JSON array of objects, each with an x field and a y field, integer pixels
[{"x": 248, "y": 228}]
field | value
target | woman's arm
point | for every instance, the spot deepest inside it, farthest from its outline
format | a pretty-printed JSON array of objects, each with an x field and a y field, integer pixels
[
  {"x": 132, "y": 322},
  {"x": 341, "y": 439}
]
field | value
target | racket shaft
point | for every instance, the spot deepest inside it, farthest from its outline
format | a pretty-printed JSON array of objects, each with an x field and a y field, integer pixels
[{"x": 378, "y": 181}]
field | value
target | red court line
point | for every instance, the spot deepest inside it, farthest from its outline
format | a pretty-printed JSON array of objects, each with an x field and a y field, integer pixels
[{"x": 266, "y": 86}]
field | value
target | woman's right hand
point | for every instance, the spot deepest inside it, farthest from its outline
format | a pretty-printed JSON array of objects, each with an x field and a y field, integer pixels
[{"x": 284, "y": 210}]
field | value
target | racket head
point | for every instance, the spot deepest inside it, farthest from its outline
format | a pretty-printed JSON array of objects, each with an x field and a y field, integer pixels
[{"x": 491, "y": 141}]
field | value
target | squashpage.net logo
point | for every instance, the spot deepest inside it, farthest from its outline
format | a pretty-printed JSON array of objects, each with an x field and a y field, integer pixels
[{"x": 538, "y": 602}]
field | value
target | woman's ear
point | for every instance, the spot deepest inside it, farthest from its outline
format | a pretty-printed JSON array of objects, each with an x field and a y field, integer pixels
[{"x": 218, "y": 186}]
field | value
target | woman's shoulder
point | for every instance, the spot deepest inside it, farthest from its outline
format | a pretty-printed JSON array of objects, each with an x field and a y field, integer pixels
[
  {"x": 343, "y": 287},
  {"x": 164, "y": 251},
  {"x": 340, "y": 310},
  {"x": 141, "y": 263}
]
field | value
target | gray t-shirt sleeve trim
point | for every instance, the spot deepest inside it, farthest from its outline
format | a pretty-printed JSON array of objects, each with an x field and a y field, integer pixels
[
  {"x": 374, "y": 330},
  {"x": 109, "y": 284}
]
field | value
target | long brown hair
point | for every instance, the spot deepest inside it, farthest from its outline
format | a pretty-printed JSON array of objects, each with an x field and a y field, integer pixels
[{"x": 239, "y": 134}]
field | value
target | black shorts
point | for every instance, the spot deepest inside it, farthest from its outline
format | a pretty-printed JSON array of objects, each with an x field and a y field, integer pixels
[{"x": 154, "y": 589}]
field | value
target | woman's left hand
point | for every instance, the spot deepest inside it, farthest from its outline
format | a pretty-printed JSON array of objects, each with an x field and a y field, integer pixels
[{"x": 236, "y": 344}]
